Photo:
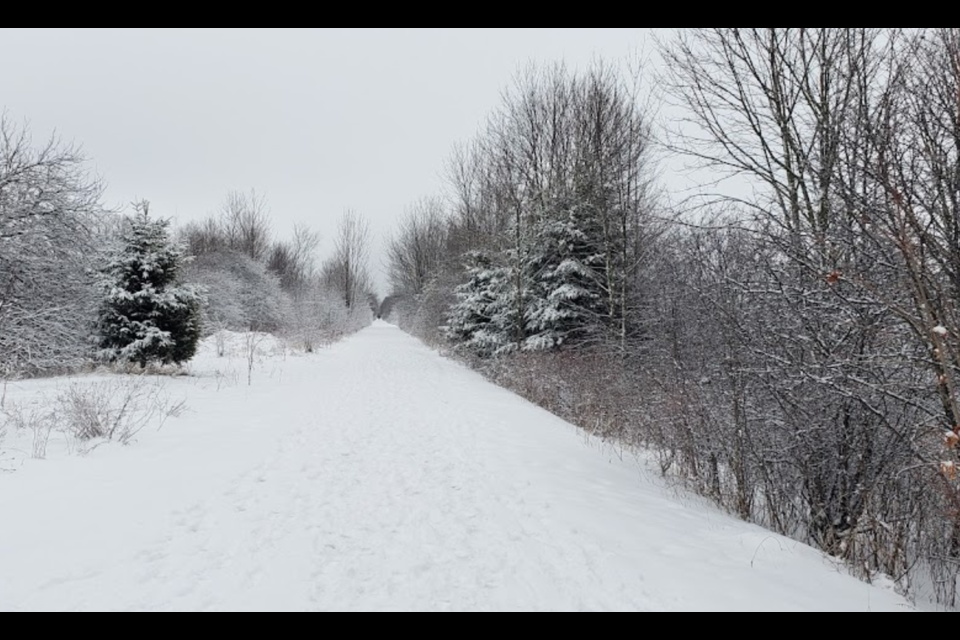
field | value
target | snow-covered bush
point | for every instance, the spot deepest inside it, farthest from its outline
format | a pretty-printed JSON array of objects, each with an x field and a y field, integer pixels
[
  {"x": 318, "y": 316},
  {"x": 241, "y": 294}
]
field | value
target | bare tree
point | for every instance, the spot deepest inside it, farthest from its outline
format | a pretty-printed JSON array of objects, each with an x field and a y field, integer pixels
[
  {"x": 846, "y": 346},
  {"x": 417, "y": 249},
  {"x": 789, "y": 341},
  {"x": 294, "y": 261},
  {"x": 246, "y": 222},
  {"x": 617, "y": 174},
  {"x": 48, "y": 205},
  {"x": 347, "y": 270}
]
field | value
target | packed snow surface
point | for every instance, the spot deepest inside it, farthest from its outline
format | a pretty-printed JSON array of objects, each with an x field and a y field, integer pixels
[{"x": 374, "y": 475}]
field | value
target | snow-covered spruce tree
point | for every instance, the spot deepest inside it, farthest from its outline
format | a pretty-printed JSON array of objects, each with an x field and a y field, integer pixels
[
  {"x": 566, "y": 270},
  {"x": 480, "y": 321},
  {"x": 147, "y": 315}
]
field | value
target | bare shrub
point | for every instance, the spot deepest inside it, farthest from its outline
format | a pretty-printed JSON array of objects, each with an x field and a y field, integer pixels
[
  {"x": 40, "y": 430},
  {"x": 251, "y": 344},
  {"x": 38, "y": 420},
  {"x": 113, "y": 410},
  {"x": 152, "y": 369},
  {"x": 3, "y": 428},
  {"x": 226, "y": 379},
  {"x": 221, "y": 342},
  {"x": 584, "y": 388}
]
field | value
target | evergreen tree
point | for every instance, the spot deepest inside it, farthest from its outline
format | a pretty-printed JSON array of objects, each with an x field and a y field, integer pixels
[
  {"x": 147, "y": 316},
  {"x": 566, "y": 274},
  {"x": 479, "y": 321}
]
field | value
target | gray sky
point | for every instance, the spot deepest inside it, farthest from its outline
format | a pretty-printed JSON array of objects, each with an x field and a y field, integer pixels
[{"x": 315, "y": 120}]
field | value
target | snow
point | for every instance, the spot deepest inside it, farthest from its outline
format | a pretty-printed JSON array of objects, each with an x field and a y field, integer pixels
[
  {"x": 940, "y": 330},
  {"x": 376, "y": 475}
]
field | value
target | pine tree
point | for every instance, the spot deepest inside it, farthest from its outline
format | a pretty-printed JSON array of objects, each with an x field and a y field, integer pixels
[{"x": 147, "y": 316}]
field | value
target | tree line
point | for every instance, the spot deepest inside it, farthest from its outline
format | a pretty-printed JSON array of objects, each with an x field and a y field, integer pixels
[
  {"x": 81, "y": 284},
  {"x": 255, "y": 282},
  {"x": 785, "y": 337}
]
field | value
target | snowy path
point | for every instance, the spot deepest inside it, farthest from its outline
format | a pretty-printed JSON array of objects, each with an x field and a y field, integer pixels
[{"x": 377, "y": 475}]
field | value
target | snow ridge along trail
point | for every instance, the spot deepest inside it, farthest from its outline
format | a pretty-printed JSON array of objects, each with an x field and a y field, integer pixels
[{"x": 377, "y": 475}]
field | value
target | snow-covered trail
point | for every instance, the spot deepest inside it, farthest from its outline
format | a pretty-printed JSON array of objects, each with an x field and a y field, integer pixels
[{"x": 377, "y": 475}]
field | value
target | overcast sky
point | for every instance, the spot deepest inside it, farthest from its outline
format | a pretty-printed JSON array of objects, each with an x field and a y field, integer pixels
[{"x": 315, "y": 120}]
